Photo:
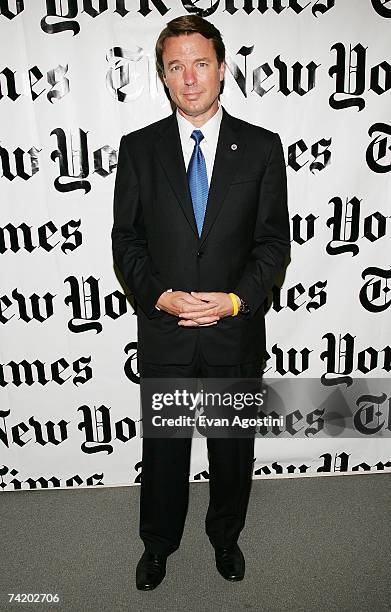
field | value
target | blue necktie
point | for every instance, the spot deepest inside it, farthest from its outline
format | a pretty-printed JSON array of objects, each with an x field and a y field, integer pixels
[{"x": 198, "y": 180}]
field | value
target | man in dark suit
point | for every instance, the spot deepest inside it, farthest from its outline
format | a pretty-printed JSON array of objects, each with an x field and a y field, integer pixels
[{"x": 200, "y": 231}]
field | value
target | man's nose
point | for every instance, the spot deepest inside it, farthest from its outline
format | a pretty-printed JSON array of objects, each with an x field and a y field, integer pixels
[{"x": 189, "y": 76}]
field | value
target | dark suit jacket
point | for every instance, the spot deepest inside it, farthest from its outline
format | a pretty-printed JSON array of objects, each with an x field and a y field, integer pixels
[{"x": 243, "y": 245}]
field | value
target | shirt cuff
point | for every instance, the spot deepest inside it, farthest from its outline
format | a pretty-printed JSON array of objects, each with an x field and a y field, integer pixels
[{"x": 157, "y": 307}]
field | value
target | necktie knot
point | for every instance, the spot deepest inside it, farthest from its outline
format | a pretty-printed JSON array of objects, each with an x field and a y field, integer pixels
[{"x": 197, "y": 136}]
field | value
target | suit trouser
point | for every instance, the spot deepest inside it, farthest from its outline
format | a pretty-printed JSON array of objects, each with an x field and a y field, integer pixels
[{"x": 166, "y": 468}]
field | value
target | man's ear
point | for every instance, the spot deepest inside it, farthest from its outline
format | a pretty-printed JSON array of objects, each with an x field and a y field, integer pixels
[
  {"x": 164, "y": 83},
  {"x": 161, "y": 76},
  {"x": 222, "y": 71}
]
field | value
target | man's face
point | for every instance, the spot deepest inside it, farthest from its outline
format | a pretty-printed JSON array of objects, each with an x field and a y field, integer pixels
[{"x": 192, "y": 74}]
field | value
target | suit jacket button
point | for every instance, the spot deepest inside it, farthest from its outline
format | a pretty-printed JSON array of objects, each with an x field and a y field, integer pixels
[{"x": 200, "y": 253}]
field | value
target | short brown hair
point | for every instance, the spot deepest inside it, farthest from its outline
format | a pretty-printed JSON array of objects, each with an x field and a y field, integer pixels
[{"x": 189, "y": 24}]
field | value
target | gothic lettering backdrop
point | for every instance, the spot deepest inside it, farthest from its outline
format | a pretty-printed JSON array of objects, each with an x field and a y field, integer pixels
[{"x": 77, "y": 74}]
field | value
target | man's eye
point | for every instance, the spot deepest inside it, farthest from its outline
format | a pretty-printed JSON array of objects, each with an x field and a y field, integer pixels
[
  {"x": 202, "y": 64},
  {"x": 175, "y": 68}
]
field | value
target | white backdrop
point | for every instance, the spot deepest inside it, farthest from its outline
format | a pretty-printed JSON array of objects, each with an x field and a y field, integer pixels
[{"x": 76, "y": 75}]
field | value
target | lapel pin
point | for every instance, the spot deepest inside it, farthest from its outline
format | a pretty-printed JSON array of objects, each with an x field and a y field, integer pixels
[{"x": 234, "y": 147}]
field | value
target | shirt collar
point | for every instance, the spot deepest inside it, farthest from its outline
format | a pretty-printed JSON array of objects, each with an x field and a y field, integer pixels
[{"x": 210, "y": 129}]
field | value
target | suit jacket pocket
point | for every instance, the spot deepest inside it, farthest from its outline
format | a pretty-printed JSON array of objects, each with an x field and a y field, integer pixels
[{"x": 246, "y": 179}]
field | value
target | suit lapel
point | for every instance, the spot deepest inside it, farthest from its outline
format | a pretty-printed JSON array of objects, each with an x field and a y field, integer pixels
[
  {"x": 229, "y": 151},
  {"x": 170, "y": 154}
]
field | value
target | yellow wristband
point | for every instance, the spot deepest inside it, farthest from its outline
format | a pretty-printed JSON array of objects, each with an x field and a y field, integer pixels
[{"x": 235, "y": 304}]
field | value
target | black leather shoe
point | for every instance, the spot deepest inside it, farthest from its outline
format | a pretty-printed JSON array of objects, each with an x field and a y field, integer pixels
[
  {"x": 150, "y": 571},
  {"x": 230, "y": 563}
]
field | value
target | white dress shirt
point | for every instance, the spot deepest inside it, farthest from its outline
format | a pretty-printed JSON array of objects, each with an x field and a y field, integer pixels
[{"x": 208, "y": 144}]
